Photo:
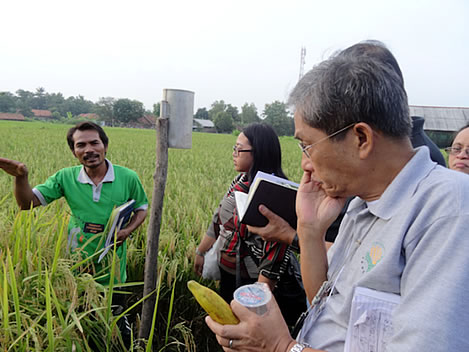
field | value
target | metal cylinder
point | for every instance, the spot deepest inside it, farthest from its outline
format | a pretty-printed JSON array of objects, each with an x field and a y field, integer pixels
[{"x": 181, "y": 111}]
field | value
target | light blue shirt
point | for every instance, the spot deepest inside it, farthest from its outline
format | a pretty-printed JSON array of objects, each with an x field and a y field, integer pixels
[{"x": 414, "y": 242}]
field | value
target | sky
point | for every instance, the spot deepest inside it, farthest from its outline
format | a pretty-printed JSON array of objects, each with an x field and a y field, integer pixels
[{"x": 243, "y": 51}]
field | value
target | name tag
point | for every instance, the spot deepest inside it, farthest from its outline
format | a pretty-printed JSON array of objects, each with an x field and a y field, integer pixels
[{"x": 93, "y": 228}]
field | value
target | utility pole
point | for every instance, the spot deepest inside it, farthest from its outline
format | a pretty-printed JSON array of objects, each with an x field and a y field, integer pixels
[{"x": 302, "y": 62}]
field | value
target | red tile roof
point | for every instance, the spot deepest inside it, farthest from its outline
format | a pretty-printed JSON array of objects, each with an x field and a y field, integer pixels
[
  {"x": 10, "y": 116},
  {"x": 148, "y": 120},
  {"x": 41, "y": 113},
  {"x": 90, "y": 116}
]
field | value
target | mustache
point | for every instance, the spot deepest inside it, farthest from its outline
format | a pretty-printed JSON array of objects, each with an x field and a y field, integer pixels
[{"x": 91, "y": 155}]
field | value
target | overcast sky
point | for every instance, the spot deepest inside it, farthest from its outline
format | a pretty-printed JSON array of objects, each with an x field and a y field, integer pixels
[{"x": 239, "y": 51}]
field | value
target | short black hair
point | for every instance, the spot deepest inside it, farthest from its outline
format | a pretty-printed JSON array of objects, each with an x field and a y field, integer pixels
[{"x": 85, "y": 126}]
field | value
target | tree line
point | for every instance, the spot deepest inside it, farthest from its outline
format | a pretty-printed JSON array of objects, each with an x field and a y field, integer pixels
[
  {"x": 226, "y": 117},
  {"x": 122, "y": 112}
]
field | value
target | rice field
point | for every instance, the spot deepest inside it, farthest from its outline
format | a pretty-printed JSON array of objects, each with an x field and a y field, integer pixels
[{"x": 48, "y": 302}]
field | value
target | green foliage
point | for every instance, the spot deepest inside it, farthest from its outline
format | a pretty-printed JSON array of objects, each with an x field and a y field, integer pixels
[
  {"x": 249, "y": 114},
  {"x": 156, "y": 109},
  {"x": 7, "y": 102},
  {"x": 277, "y": 115},
  {"x": 223, "y": 122},
  {"x": 126, "y": 110},
  {"x": 216, "y": 107},
  {"x": 104, "y": 108},
  {"x": 202, "y": 113}
]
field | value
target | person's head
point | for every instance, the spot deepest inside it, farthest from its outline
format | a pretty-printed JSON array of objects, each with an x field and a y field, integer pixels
[
  {"x": 88, "y": 143},
  {"x": 375, "y": 49},
  {"x": 262, "y": 151},
  {"x": 458, "y": 158},
  {"x": 86, "y": 126},
  {"x": 355, "y": 101}
]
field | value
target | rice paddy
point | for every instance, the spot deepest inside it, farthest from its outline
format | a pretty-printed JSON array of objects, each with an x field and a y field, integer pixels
[{"x": 48, "y": 301}]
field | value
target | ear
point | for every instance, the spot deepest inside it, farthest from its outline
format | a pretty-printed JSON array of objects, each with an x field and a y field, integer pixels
[
  {"x": 73, "y": 152},
  {"x": 365, "y": 139}
]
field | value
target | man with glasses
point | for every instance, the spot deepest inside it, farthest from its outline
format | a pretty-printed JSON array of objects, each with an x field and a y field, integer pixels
[{"x": 405, "y": 232}]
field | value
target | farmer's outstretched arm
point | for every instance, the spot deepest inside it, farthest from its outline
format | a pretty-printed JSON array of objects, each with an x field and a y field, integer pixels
[{"x": 23, "y": 192}]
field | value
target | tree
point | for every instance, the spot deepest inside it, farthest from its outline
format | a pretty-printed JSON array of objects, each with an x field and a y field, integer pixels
[
  {"x": 126, "y": 110},
  {"x": 156, "y": 109},
  {"x": 40, "y": 99},
  {"x": 105, "y": 109},
  {"x": 277, "y": 115},
  {"x": 217, "y": 106},
  {"x": 233, "y": 111},
  {"x": 223, "y": 122},
  {"x": 249, "y": 114},
  {"x": 24, "y": 101},
  {"x": 202, "y": 113},
  {"x": 7, "y": 102},
  {"x": 76, "y": 106}
]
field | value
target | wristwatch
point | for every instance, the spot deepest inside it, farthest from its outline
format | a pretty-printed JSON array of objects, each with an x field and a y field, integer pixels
[
  {"x": 199, "y": 252},
  {"x": 298, "y": 347}
]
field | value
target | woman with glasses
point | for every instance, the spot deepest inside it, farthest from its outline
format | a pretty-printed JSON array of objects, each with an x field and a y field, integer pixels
[
  {"x": 458, "y": 153},
  {"x": 244, "y": 257}
]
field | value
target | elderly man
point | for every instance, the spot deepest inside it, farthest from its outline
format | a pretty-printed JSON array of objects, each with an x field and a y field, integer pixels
[{"x": 404, "y": 234}]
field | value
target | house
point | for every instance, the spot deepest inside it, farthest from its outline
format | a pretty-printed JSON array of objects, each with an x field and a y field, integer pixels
[
  {"x": 147, "y": 121},
  {"x": 89, "y": 116},
  {"x": 441, "y": 122},
  {"x": 11, "y": 116},
  {"x": 44, "y": 115},
  {"x": 200, "y": 125}
]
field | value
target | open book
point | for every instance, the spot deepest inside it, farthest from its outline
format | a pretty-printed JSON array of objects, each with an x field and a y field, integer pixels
[
  {"x": 276, "y": 193},
  {"x": 119, "y": 218}
]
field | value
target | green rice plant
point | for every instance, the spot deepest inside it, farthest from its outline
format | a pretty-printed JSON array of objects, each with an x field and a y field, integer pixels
[{"x": 37, "y": 242}]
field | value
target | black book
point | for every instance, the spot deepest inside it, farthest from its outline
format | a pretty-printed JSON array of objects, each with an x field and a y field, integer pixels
[{"x": 276, "y": 193}]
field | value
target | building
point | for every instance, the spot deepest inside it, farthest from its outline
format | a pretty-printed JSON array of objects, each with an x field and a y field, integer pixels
[
  {"x": 441, "y": 122},
  {"x": 11, "y": 117},
  {"x": 89, "y": 116},
  {"x": 200, "y": 125},
  {"x": 44, "y": 115},
  {"x": 147, "y": 121}
]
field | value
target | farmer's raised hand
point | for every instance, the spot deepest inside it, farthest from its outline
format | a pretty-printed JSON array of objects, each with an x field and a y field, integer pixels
[{"x": 13, "y": 167}]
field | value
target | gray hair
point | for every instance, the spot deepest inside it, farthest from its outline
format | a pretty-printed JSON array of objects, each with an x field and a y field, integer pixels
[{"x": 347, "y": 89}]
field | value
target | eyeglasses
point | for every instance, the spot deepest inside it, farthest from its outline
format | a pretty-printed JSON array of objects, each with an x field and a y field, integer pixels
[
  {"x": 304, "y": 148},
  {"x": 236, "y": 151},
  {"x": 457, "y": 150}
]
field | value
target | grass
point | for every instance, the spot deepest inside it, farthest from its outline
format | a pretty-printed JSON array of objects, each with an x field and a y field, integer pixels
[{"x": 47, "y": 299}]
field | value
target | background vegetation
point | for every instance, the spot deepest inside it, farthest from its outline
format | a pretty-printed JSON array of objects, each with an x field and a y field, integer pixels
[
  {"x": 47, "y": 303},
  {"x": 122, "y": 112}
]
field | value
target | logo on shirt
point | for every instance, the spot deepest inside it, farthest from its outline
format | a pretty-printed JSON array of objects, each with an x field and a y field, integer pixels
[{"x": 372, "y": 257}]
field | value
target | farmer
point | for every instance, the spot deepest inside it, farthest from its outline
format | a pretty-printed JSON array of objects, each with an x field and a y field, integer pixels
[
  {"x": 92, "y": 191},
  {"x": 405, "y": 233}
]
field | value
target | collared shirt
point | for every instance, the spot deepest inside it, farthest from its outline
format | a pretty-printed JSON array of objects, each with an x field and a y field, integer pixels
[
  {"x": 413, "y": 242},
  {"x": 91, "y": 205}
]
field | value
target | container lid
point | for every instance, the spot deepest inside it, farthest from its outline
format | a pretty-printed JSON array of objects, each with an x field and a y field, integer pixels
[{"x": 254, "y": 295}]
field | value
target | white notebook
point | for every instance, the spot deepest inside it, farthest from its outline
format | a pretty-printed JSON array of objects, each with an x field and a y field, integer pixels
[{"x": 370, "y": 326}]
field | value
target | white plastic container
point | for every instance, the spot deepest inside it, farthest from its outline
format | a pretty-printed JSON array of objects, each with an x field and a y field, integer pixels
[{"x": 254, "y": 297}]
